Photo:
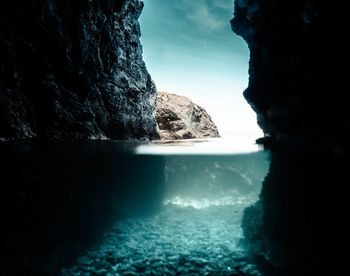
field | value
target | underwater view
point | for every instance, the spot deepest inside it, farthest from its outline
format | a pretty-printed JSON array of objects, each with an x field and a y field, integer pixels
[
  {"x": 196, "y": 230},
  {"x": 129, "y": 207},
  {"x": 163, "y": 137}
]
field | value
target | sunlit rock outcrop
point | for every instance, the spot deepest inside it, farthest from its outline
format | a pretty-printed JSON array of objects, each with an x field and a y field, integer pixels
[
  {"x": 74, "y": 69},
  {"x": 296, "y": 80},
  {"x": 179, "y": 118}
]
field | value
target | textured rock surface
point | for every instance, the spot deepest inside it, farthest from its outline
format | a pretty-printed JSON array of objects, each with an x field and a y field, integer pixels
[
  {"x": 295, "y": 70},
  {"x": 176, "y": 241},
  {"x": 296, "y": 75},
  {"x": 179, "y": 118},
  {"x": 73, "y": 69}
]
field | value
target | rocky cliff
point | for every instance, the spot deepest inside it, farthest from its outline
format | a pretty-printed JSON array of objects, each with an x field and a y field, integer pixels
[
  {"x": 295, "y": 72},
  {"x": 73, "y": 69},
  {"x": 179, "y": 118},
  {"x": 296, "y": 80}
]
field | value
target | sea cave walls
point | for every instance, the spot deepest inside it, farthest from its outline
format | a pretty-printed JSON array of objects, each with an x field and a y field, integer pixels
[
  {"x": 71, "y": 71},
  {"x": 58, "y": 199},
  {"x": 74, "y": 69},
  {"x": 295, "y": 72},
  {"x": 296, "y": 87}
]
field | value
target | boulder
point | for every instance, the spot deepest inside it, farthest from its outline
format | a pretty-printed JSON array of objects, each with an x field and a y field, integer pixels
[{"x": 179, "y": 118}]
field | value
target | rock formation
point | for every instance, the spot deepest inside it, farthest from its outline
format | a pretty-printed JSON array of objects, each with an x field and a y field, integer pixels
[
  {"x": 179, "y": 118},
  {"x": 73, "y": 69},
  {"x": 296, "y": 84}
]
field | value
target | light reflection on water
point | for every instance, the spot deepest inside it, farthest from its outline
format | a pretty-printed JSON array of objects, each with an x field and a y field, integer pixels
[
  {"x": 225, "y": 146},
  {"x": 203, "y": 173},
  {"x": 229, "y": 200}
]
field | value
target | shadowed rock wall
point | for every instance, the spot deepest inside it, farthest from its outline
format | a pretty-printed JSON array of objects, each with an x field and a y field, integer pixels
[
  {"x": 296, "y": 86},
  {"x": 295, "y": 70},
  {"x": 58, "y": 199},
  {"x": 73, "y": 69}
]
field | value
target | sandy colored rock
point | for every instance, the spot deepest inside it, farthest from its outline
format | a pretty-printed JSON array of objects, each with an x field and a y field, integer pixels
[{"x": 179, "y": 118}]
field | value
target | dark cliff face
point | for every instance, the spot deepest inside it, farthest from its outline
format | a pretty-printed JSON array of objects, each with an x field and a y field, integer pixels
[
  {"x": 74, "y": 69},
  {"x": 296, "y": 86},
  {"x": 295, "y": 73}
]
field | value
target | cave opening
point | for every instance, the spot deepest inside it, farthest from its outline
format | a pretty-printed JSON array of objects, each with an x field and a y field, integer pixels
[
  {"x": 190, "y": 50},
  {"x": 205, "y": 185},
  {"x": 86, "y": 205},
  {"x": 76, "y": 200}
]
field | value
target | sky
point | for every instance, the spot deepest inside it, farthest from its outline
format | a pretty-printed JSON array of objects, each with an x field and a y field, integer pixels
[{"x": 190, "y": 50}]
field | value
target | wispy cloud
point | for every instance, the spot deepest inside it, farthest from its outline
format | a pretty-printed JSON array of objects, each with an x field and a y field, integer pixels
[
  {"x": 204, "y": 17},
  {"x": 204, "y": 13},
  {"x": 223, "y": 4}
]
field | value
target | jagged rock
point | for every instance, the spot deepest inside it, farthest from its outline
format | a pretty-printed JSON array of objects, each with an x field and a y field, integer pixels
[
  {"x": 74, "y": 69},
  {"x": 179, "y": 118},
  {"x": 296, "y": 85},
  {"x": 289, "y": 84}
]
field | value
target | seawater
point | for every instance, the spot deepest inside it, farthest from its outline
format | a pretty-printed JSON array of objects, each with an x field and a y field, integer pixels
[{"x": 201, "y": 192}]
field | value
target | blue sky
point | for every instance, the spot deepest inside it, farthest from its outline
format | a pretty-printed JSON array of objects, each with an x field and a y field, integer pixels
[{"x": 190, "y": 50}]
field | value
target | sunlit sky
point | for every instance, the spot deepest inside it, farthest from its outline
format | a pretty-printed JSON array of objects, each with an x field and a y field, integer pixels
[{"x": 190, "y": 50}]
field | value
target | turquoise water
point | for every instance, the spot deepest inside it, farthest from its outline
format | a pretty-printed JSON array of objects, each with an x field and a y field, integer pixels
[{"x": 197, "y": 228}]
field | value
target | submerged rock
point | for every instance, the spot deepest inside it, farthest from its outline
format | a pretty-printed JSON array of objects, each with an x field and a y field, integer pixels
[
  {"x": 179, "y": 118},
  {"x": 181, "y": 241}
]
